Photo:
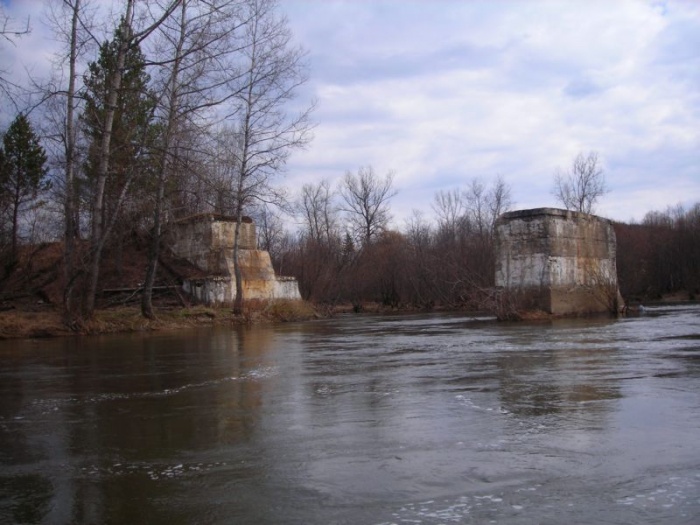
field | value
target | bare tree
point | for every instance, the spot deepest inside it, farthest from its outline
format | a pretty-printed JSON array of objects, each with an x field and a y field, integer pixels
[
  {"x": 171, "y": 109},
  {"x": 484, "y": 204},
  {"x": 366, "y": 202},
  {"x": 462, "y": 254},
  {"x": 319, "y": 213},
  {"x": 9, "y": 31},
  {"x": 320, "y": 258},
  {"x": 70, "y": 214},
  {"x": 418, "y": 264},
  {"x": 580, "y": 188},
  {"x": 449, "y": 207},
  {"x": 475, "y": 197},
  {"x": 195, "y": 55},
  {"x": 72, "y": 27},
  {"x": 499, "y": 200},
  {"x": 266, "y": 130},
  {"x": 270, "y": 231}
]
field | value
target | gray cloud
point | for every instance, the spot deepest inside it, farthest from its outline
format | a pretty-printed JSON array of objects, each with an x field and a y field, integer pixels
[
  {"x": 480, "y": 89},
  {"x": 449, "y": 90}
]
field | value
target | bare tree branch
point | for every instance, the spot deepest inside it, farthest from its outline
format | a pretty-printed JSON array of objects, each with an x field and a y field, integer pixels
[
  {"x": 366, "y": 202},
  {"x": 580, "y": 188}
]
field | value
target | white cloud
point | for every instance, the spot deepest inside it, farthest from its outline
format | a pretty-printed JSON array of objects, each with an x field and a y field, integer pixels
[{"x": 446, "y": 91}]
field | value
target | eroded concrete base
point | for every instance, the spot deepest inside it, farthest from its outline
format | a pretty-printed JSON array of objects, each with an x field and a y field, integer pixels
[
  {"x": 557, "y": 261},
  {"x": 207, "y": 242}
]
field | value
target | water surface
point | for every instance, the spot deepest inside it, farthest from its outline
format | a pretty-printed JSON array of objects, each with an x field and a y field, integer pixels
[{"x": 359, "y": 420}]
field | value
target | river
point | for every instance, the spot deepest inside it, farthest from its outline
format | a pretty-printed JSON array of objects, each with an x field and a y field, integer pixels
[{"x": 418, "y": 419}]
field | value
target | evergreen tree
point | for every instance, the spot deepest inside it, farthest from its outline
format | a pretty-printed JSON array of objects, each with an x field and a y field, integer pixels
[
  {"x": 22, "y": 172},
  {"x": 116, "y": 95},
  {"x": 119, "y": 192},
  {"x": 131, "y": 131}
]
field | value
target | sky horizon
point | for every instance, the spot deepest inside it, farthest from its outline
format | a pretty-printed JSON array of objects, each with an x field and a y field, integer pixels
[{"x": 442, "y": 92}]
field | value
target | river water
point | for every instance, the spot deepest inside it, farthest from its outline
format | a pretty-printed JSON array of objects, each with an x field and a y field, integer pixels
[{"x": 421, "y": 419}]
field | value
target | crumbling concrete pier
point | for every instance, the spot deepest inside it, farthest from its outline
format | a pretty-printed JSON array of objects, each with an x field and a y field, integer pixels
[
  {"x": 206, "y": 241},
  {"x": 555, "y": 261}
]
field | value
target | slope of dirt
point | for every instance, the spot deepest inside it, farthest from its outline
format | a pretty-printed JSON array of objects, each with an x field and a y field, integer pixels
[{"x": 34, "y": 280}]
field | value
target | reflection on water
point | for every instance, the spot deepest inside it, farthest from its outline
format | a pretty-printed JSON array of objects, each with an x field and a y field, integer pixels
[
  {"x": 102, "y": 418},
  {"x": 413, "y": 419}
]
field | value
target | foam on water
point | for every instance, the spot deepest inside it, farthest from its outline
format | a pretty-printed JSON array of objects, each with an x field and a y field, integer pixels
[
  {"x": 154, "y": 471},
  {"x": 47, "y": 406},
  {"x": 678, "y": 498},
  {"x": 676, "y": 492}
]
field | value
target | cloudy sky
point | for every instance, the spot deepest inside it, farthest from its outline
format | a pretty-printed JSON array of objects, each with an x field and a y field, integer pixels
[{"x": 443, "y": 91}]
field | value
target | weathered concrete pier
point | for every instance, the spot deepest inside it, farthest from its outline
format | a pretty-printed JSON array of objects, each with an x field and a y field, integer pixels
[
  {"x": 207, "y": 241},
  {"x": 556, "y": 261}
]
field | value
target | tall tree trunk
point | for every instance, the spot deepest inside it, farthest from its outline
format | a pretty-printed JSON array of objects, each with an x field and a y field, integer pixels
[
  {"x": 156, "y": 234},
  {"x": 153, "y": 251},
  {"x": 70, "y": 208},
  {"x": 238, "y": 275},
  {"x": 271, "y": 71},
  {"x": 101, "y": 225},
  {"x": 97, "y": 237},
  {"x": 240, "y": 200},
  {"x": 163, "y": 170},
  {"x": 15, "y": 219}
]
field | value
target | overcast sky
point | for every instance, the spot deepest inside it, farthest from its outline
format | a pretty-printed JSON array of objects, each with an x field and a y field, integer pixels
[{"x": 443, "y": 91}]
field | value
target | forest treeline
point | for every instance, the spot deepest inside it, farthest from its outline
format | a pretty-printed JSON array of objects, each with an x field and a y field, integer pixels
[
  {"x": 448, "y": 259},
  {"x": 660, "y": 255},
  {"x": 188, "y": 107}
]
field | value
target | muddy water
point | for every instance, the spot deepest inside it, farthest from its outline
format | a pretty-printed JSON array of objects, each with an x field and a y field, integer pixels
[{"x": 359, "y": 420}]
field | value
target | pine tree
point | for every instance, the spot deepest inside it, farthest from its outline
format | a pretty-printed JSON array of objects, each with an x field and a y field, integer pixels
[
  {"x": 22, "y": 172},
  {"x": 107, "y": 85},
  {"x": 117, "y": 116},
  {"x": 131, "y": 129}
]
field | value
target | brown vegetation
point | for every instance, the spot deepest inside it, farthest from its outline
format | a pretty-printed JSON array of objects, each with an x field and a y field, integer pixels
[{"x": 660, "y": 256}]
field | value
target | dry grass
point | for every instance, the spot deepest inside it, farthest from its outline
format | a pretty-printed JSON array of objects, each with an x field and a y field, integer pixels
[
  {"x": 289, "y": 310},
  {"x": 49, "y": 323},
  {"x": 198, "y": 312},
  {"x": 14, "y": 324},
  {"x": 677, "y": 297}
]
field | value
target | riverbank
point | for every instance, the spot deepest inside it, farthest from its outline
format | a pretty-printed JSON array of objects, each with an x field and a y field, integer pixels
[{"x": 48, "y": 322}]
